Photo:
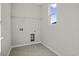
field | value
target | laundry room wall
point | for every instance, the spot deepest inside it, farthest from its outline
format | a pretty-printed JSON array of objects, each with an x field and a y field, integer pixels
[
  {"x": 27, "y": 18},
  {"x": 0, "y": 29},
  {"x": 62, "y": 37},
  {"x": 5, "y": 28}
]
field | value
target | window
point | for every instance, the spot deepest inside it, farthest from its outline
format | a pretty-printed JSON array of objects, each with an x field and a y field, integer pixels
[{"x": 52, "y": 13}]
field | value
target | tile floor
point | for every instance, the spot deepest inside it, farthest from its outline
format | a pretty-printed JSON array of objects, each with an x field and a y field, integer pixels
[{"x": 32, "y": 50}]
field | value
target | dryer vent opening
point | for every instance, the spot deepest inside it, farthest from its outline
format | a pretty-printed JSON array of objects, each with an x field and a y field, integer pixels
[{"x": 32, "y": 37}]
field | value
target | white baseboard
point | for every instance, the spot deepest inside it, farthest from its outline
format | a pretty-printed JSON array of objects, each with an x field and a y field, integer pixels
[
  {"x": 51, "y": 49},
  {"x": 9, "y": 51},
  {"x": 25, "y": 44}
]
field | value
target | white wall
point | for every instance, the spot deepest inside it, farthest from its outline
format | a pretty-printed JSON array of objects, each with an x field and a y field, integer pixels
[
  {"x": 5, "y": 28},
  {"x": 63, "y": 36},
  {"x": 26, "y": 16},
  {"x": 26, "y": 10},
  {"x": 0, "y": 29}
]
